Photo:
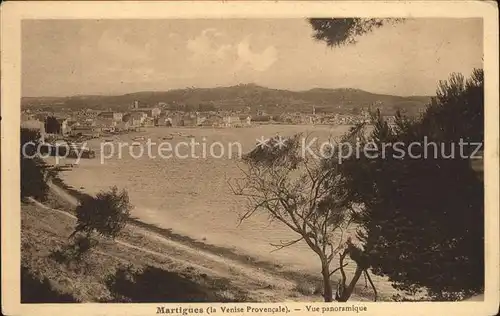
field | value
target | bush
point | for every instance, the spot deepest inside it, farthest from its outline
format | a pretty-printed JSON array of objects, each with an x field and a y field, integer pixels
[
  {"x": 309, "y": 288},
  {"x": 76, "y": 251},
  {"x": 32, "y": 169},
  {"x": 106, "y": 214},
  {"x": 32, "y": 179}
]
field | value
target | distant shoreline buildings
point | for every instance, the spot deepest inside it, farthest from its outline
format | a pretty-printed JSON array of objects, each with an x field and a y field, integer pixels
[{"x": 93, "y": 123}]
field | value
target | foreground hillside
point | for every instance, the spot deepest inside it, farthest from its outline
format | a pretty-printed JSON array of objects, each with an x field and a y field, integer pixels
[
  {"x": 273, "y": 101},
  {"x": 142, "y": 265},
  {"x": 139, "y": 266},
  {"x": 111, "y": 273}
]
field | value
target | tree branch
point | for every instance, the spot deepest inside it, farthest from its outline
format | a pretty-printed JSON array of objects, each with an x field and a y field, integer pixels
[
  {"x": 338, "y": 268},
  {"x": 287, "y": 244}
]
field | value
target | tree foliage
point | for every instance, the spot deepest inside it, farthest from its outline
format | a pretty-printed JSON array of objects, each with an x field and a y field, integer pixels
[
  {"x": 105, "y": 214},
  {"x": 422, "y": 223},
  {"x": 422, "y": 220},
  {"x": 52, "y": 125},
  {"x": 345, "y": 31},
  {"x": 32, "y": 168}
]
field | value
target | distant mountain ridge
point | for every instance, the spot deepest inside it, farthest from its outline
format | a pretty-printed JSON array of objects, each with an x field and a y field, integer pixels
[{"x": 242, "y": 96}]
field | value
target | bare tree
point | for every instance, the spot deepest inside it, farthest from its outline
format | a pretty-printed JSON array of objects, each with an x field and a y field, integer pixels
[{"x": 304, "y": 192}]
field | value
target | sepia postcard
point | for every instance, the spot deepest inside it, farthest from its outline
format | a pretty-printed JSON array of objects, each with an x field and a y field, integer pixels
[{"x": 250, "y": 157}]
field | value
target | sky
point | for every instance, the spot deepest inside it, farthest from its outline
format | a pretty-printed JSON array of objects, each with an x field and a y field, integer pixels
[{"x": 71, "y": 57}]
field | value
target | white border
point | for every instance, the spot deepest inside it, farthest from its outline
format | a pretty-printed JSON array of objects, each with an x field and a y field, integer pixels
[{"x": 13, "y": 12}]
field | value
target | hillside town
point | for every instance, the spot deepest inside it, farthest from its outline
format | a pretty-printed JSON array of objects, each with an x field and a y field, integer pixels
[{"x": 89, "y": 123}]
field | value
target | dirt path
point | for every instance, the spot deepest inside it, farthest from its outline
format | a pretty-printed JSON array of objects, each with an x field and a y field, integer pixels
[
  {"x": 262, "y": 286},
  {"x": 236, "y": 266},
  {"x": 202, "y": 260},
  {"x": 270, "y": 286}
]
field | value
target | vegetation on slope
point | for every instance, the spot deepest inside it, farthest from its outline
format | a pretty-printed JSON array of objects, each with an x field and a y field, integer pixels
[{"x": 109, "y": 273}]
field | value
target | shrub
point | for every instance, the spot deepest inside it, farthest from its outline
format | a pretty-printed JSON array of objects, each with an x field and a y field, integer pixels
[
  {"x": 32, "y": 169},
  {"x": 309, "y": 288},
  {"x": 106, "y": 214},
  {"x": 76, "y": 251}
]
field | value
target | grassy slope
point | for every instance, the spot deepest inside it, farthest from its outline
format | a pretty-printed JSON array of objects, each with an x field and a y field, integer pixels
[
  {"x": 110, "y": 273},
  {"x": 124, "y": 270},
  {"x": 138, "y": 268}
]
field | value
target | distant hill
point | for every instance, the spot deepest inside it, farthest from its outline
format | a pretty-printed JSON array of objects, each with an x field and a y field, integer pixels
[{"x": 256, "y": 97}]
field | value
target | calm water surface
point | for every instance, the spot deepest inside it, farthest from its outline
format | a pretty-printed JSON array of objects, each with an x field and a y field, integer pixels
[{"x": 192, "y": 197}]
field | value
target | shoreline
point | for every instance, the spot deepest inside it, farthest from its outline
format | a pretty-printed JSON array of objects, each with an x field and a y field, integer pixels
[{"x": 298, "y": 277}]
